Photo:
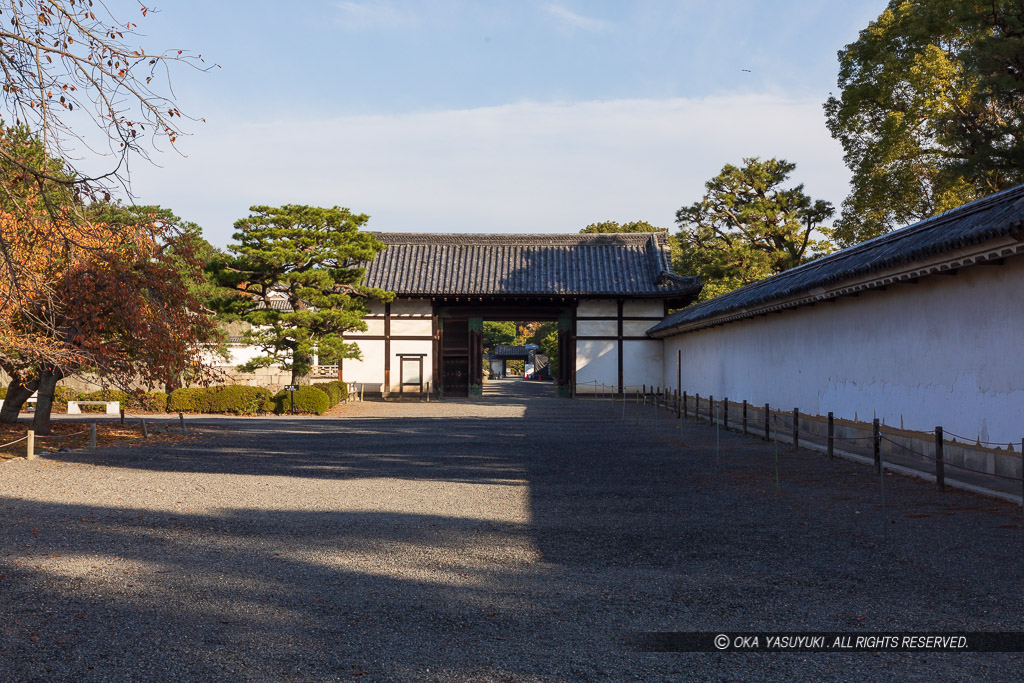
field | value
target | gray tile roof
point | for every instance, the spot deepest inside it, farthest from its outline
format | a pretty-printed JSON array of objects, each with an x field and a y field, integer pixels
[
  {"x": 506, "y": 350},
  {"x": 999, "y": 215},
  {"x": 626, "y": 264}
]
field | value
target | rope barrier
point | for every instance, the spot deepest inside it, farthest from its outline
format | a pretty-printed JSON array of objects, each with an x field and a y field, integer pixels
[
  {"x": 978, "y": 442},
  {"x": 5, "y": 445},
  {"x": 62, "y": 436},
  {"x": 950, "y": 464}
]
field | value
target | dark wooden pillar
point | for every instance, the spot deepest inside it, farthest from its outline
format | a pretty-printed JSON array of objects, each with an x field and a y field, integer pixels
[{"x": 476, "y": 356}]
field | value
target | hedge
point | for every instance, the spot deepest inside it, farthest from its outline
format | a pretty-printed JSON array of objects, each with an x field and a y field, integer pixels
[
  {"x": 154, "y": 401},
  {"x": 239, "y": 399},
  {"x": 308, "y": 399},
  {"x": 335, "y": 390}
]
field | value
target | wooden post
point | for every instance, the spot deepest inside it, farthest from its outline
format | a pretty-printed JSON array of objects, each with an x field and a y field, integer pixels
[
  {"x": 696, "y": 407},
  {"x": 767, "y": 427},
  {"x": 877, "y": 441},
  {"x": 181, "y": 418},
  {"x": 686, "y": 410},
  {"x": 145, "y": 431},
  {"x": 744, "y": 417},
  {"x": 122, "y": 415},
  {"x": 92, "y": 436},
  {"x": 831, "y": 436},
  {"x": 725, "y": 413},
  {"x": 796, "y": 428},
  {"x": 711, "y": 410},
  {"x": 30, "y": 445},
  {"x": 940, "y": 460}
]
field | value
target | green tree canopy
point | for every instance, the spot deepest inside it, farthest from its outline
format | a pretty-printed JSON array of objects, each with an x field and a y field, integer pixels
[
  {"x": 631, "y": 226},
  {"x": 308, "y": 258},
  {"x": 498, "y": 332},
  {"x": 748, "y": 227},
  {"x": 930, "y": 111}
]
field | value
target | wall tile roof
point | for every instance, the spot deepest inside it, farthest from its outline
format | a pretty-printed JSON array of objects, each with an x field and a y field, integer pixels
[
  {"x": 425, "y": 264},
  {"x": 999, "y": 215}
]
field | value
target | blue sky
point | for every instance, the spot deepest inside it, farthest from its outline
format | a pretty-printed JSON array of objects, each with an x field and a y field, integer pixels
[{"x": 492, "y": 116}]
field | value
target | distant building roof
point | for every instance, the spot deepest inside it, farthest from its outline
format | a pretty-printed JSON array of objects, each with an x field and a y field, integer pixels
[
  {"x": 618, "y": 264},
  {"x": 998, "y": 216},
  {"x": 508, "y": 351}
]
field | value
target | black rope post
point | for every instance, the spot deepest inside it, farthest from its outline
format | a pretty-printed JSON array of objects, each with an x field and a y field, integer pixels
[
  {"x": 1022, "y": 473},
  {"x": 831, "y": 436},
  {"x": 686, "y": 410},
  {"x": 767, "y": 427},
  {"x": 677, "y": 403},
  {"x": 940, "y": 460},
  {"x": 877, "y": 443},
  {"x": 122, "y": 415},
  {"x": 696, "y": 407},
  {"x": 796, "y": 428},
  {"x": 744, "y": 417},
  {"x": 725, "y": 413},
  {"x": 711, "y": 410}
]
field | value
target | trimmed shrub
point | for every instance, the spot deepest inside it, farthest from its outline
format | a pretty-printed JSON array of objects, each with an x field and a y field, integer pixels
[
  {"x": 190, "y": 400},
  {"x": 335, "y": 390},
  {"x": 308, "y": 399},
  {"x": 3, "y": 392},
  {"x": 153, "y": 401},
  {"x": 238, "y": 399}
]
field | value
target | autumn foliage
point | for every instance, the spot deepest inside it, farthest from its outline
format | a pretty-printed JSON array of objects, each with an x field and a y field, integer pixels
[{"x": 111, "y": 300}]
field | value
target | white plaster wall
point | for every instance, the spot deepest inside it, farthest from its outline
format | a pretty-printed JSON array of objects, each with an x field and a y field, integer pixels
[
  {"x": 411, "y": 327},
  {"x": 597, "y": 307},
  {"x": 369, "y": 370},
  {"x": 637, "y": 328},
  {"x": 374, "y": 326},
  {"x": 596, "y": 360},
  {"x": 411, "y": 307},
  {"x": 654, "y": 308},
  {"x": 942, "y": 352},
  {"x": 597, "y": 328},
  {"x": 642, "y": 363}
]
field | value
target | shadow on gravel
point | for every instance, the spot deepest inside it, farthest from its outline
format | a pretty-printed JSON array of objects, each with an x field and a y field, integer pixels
[{"x": 633, "y": 525}]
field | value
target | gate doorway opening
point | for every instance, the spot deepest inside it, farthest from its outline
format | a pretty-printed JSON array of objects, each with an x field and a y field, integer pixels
[{"x": 523, "y": 343}]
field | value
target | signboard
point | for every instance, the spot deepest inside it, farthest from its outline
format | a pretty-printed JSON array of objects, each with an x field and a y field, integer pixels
[{"x": 291, "y": 387}]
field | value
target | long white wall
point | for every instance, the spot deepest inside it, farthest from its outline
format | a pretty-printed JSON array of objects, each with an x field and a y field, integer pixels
[{"x": 944, "y": 351}]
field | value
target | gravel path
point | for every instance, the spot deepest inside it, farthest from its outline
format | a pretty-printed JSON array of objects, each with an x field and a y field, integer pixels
[{"x": 515, "y": 538}]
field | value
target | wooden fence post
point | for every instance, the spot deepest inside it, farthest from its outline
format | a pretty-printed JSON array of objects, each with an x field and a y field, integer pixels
[
  {"x": 711, "y": 410},
  {"x": 877, "y": 442},
  {"x": 767, "y": 427},
  {"x": 796, "y": 428},
  {"x": 831, "y": 436},
  {"x": 940, "y": 460},
  {"x": 696, "y": 407},
  {"x": 145, "y": 431},
  {"x": 744, "y": 417},
  {"x": 686, "y": 410},
  {"x": 92, "y": 436},
  {"x": 725, "y": 413},
  {"x": 30, "y": 445}
]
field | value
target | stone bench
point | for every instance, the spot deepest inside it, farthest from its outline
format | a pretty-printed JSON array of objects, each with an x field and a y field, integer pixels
[{"x": 113, "y": 407}]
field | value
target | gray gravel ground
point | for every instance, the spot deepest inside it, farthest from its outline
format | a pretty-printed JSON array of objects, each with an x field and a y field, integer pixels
[{"x": 516, "y": 538}]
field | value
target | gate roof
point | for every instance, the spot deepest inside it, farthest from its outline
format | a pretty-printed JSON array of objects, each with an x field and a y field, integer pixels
[{"x": 575, "y": 265}]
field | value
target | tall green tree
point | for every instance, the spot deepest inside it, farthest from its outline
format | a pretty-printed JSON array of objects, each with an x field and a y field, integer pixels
[
  {"x": 498, "y": 332},
  {"x": 748, "y": 227},
  {"x": 308, "y": 259},
  {"x": 930, "y": 111}
]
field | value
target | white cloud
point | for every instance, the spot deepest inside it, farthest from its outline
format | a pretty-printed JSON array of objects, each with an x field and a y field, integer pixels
[
  {"x": 362, "y": 15},
  {"x": 577, "y": 21},
  {"x": 527, "y": 167}
]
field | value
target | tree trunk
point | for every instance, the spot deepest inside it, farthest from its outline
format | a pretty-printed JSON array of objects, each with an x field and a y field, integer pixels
[
  {"x": 17, "y": 394},
  {"x": 48, "y": 378}
]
